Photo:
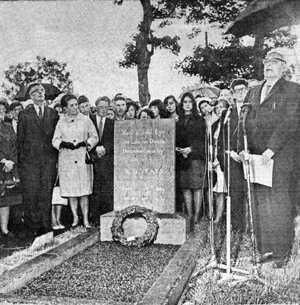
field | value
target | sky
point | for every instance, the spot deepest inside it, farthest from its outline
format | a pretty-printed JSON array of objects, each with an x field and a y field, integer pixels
[{"x": 90, "y": 36}]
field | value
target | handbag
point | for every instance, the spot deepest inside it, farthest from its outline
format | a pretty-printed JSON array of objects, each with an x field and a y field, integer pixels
[
  {"x": 10, "y": 185},
  {"x": 88, "y": 158},
  {"x": 56, "y": 197}
]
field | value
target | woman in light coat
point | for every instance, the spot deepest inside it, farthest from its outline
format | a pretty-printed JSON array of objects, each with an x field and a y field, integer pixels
[{"x": 74, "y": 134}]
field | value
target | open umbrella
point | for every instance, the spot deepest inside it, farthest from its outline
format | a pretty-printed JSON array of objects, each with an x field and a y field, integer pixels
[
  {"x": 51, "y": 93},
  {"x": 203, "y": 89},
  {"x": 264, "y": 16}
]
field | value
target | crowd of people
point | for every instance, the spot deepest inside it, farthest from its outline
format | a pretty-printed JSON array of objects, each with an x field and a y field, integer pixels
[{"x": 72, "y": 144}]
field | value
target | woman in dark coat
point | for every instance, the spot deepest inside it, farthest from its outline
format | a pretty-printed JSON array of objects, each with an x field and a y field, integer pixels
[
  {"x": 8, "y": 169},
  {"x": 190, "y": 152}
]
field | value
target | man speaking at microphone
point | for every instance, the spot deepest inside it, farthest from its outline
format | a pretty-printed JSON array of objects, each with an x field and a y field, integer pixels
[{"x": 271, "y": 123}]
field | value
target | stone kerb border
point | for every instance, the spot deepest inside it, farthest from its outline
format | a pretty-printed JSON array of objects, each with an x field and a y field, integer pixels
[
  {"x": 18, "y": 277},
  {"x": 169, "y": 287}
]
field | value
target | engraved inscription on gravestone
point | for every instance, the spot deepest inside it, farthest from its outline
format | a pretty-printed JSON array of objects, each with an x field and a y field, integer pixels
[{"x": 144, "y": 164}]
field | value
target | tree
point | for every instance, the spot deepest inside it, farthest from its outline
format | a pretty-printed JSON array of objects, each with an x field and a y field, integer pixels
[
  {"x": 139, "y": 51},
  {"x": 220, "y": 64},
  {"x": 44, "y": 70}
]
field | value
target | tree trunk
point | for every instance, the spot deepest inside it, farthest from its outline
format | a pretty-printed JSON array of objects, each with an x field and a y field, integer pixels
[
  {"x": 142, "y": 72},
  {"x": 259, "y": 53},
  {"x": 144, "y": 55}
]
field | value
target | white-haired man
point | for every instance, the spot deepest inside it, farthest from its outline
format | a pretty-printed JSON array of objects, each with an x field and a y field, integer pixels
[{"x": 271, "y": 123}]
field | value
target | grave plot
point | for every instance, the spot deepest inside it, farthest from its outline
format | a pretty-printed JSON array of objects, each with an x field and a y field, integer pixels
[{"x": 105, "y": 271}]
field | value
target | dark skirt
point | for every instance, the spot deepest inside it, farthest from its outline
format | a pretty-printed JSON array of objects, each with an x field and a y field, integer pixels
[
  {"x": 10, "y": 200},
  {"x": 11, "y": 196},
  {"x": 193, "y": 176}
]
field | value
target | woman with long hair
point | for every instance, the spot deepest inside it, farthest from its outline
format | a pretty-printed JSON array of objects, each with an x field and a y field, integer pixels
[{"x": 190, "y": 153}]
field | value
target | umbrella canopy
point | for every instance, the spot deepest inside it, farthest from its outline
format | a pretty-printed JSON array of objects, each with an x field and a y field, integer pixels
[
  {"x": 51, "y": 93},
  {"x": 264, "y": 16},
  {"x": 204, "y": 90}
]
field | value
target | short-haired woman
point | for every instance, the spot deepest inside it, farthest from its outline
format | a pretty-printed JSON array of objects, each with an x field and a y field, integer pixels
[
  {"x": 170, "y": 104},
  {"x": 220, "y": 188},
  {"x": 74, "y": 134},
  {"x": 8, "y": 169},
  {"x": 157, "y": 108}
]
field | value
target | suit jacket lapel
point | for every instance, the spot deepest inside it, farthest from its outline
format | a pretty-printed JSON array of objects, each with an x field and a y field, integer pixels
[
  {"x": 257, "y": 95},
  {"x": 94, "y": 120}
]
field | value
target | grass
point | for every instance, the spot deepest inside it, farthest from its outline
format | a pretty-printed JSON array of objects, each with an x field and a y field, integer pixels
[
  {"x": 273, "y": 286},
  {"x": 19, "y": 257}
]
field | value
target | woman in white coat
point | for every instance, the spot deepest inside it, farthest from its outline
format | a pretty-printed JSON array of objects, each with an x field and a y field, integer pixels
[{"x": 74, "y": 134}]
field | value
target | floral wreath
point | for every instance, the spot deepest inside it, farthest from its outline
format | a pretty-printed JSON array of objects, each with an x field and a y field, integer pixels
[{"x": 140, "y": 241}]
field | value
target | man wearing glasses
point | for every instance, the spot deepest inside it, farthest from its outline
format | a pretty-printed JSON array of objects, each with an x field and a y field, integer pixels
[
  {"x": 271, "y": 124},
  {"x": 37, "y": 160},
  {"x": 239, "y": 89}
]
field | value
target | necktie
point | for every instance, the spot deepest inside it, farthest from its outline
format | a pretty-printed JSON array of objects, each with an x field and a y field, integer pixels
[
  {"x": 268, "y": 90},
  {"x": 40, "y": 113},
  {"x": 100, "y": 129}
]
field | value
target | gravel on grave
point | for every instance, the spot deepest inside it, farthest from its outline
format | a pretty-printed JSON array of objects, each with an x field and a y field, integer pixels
[{"x": 106, "y": 271}]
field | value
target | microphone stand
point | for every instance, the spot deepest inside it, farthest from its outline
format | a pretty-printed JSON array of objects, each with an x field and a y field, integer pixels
[
  {"x": 213, "y": 263},
  {"x": 229, "y": 269},
  {"x": 213, "y": 260},
  {"x": 247, "y": 169}
]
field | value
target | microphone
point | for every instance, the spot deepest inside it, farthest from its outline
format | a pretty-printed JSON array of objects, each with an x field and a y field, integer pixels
[
  {"x": 228, "y": 113},
  {"x": 246, "y": 108}
]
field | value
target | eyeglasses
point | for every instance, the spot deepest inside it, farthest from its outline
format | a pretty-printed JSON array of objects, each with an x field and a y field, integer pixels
[
  {"x": 272, "y": 60},
  {"x": 241, "y": 90}
]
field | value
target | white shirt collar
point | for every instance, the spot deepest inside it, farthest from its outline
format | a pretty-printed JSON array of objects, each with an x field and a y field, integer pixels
[
  {"x": 98, "y": 118},
  {"x": 37, "y": 108}
]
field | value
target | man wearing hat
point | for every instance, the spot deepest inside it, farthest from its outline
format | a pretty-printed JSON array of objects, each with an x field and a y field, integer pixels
[
  {"x": 37, "y": 159},
  {"x": 271, "y": 123}
]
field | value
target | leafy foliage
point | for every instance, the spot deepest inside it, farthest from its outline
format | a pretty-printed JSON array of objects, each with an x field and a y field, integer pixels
[
  {"x": 220, "y": 64},
  {"x": 45, "y": 70}
]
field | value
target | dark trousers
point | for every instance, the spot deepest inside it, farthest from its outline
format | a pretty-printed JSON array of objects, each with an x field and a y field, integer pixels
[
  {"x": 102, "y": 198},
  {"x": 38, "y": 181},
  {"x": 273, "y": 216},
  {"x": 238, "y": 196}
]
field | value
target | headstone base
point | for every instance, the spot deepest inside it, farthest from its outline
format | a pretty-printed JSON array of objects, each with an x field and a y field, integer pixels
[{"x": 173, "y": 228}]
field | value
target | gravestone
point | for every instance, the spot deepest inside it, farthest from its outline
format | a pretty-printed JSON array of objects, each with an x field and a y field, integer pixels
[
  {"x": 144, "y": 175},
  {"x": 144, "y": 167}
]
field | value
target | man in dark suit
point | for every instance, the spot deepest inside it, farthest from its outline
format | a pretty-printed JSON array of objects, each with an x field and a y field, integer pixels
[
  {"x": 103, "y": 155},
  {"x": 37, "y": 160},
  {"x": 271, "y": 126}
]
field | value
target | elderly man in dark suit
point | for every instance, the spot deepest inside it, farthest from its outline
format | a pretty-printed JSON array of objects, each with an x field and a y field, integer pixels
[
  {"x": 271, "y": 123},
  {"x": 103, "y": 155},
  {"x": 37, "y": 160}
]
